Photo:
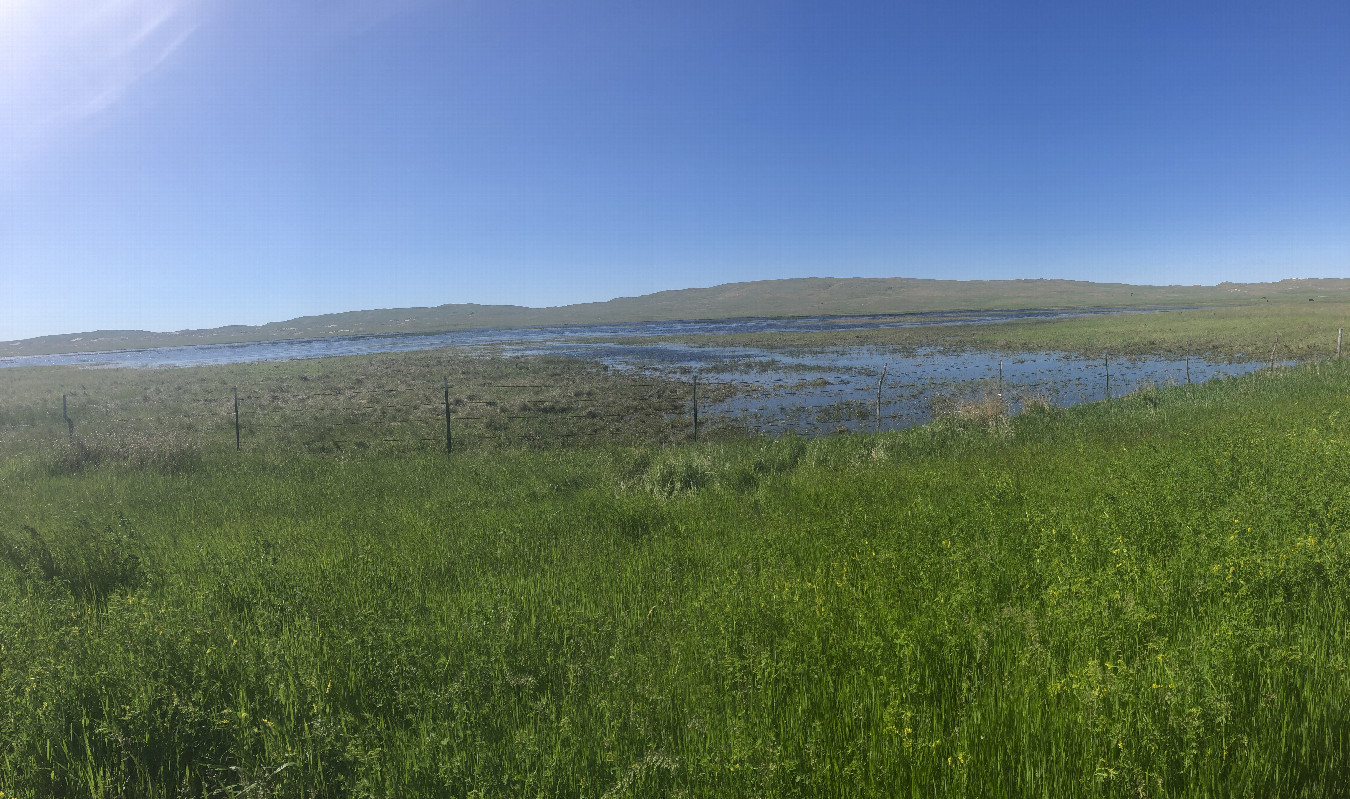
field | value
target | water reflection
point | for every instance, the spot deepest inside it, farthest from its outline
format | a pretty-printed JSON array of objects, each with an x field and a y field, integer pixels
[
  {"x": 827, "y": 392},
  {"x": 551, "y": 339}
]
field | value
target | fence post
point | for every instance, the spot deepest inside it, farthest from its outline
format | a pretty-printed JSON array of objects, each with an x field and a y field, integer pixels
[
  {"x": 696, "y": 406},
  {"x": 1188, "y": 363},
  {"x": 237, "y": 446},
  {"x": 1000, "y": 378},
  {"x": 1106, "y": 355},
  {"x": 70, "y": 423},
  {"x": 1339, "y": 331},
  {"x": 1272, "y": 352},
  {"x": 879, "y": 382},
  {"x": 449, "y": 442}
]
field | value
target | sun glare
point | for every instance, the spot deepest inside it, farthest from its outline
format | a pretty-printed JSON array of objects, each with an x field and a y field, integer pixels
[
  {"x": 9, "y": 10},
  {"x": 12, "y": 13}
]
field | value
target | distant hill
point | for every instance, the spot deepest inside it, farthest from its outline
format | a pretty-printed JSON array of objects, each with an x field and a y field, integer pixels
[{"x": 791, "y": 297}]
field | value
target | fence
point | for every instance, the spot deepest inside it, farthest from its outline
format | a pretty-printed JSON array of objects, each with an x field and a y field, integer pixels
[
  {"x": 344, "y": 413},
  {"x": 433, "y": 417}
]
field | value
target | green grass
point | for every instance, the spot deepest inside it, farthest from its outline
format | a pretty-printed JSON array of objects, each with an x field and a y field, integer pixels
[
  {"x": 775, "y": 298},
  {"x": 1305, "y": 331},
  {"x": 1143, "y": 598}
]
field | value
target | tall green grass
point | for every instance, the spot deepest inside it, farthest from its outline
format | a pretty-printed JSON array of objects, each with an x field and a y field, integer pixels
[{"x": 1141, "y": 598}]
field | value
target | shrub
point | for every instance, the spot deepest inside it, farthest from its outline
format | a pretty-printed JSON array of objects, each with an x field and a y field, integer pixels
[
  {"x": 1037, "y": 402},
  {"x": 981, "y": 409}
]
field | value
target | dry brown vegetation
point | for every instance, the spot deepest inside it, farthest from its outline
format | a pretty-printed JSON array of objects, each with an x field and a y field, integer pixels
[{"x": 167, "y": 418}]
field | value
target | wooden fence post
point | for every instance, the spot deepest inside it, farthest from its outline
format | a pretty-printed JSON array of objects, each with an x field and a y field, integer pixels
[
  {"x": 1339, "y": 331},
  {"x": 1272, "y": 352},
  {"x": 879, "y": 382},
  {"x": 237, "y": 446},
  {"x": 449, "y": 442},
  {"x": 1188, "y": 363},
  {"x": 696, "y": 406},
  {"x": 70, "y": 423}
]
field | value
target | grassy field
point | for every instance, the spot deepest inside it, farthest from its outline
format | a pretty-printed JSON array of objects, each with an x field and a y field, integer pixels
[
  {"x": 1143, "y": 598},
  {"x": 355, "y": 405},
  {"x": 774, "y": 298},
  {"x": 1304, "y": 330}
]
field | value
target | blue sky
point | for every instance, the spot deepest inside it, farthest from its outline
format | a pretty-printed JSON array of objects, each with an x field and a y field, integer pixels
[{"x": 172, "y": 164}]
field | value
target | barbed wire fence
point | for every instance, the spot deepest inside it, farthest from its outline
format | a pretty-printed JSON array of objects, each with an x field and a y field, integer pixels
[
  {"x": 486, "y": 415},
  {"x": 430, "y": 418},
  {"x": 529, "y": 414}
]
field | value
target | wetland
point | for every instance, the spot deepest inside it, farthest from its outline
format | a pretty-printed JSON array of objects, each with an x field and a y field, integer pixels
[{"x": 761, "y": 375}]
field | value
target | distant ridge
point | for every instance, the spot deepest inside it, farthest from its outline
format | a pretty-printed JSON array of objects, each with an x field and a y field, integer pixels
[{"x": 789, "y": 297}]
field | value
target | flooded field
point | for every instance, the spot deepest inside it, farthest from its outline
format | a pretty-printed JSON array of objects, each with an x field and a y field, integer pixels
[
  {"x": 547, "y": 339},
  {"x": 767, "y": 390},
  {"x": 816, "y": 393},
  {"x": 813, "y": 396}
]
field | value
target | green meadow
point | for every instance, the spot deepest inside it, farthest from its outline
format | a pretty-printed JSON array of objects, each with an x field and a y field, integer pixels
[
  {"x": 1147, "y": 597},
  {"x": 1293, "y": 327}
]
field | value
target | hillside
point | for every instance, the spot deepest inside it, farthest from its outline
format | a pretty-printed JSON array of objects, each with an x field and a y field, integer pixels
[{"x": 790, "y": 297}]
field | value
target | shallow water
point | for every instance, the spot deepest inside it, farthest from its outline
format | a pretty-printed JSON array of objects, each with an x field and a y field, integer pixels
[
  {"x": 811, "y": 393},
  {"x": 822, "y": 392},
  {"x": 553, "y": 339},
  {"x": 841, "y": 393}
]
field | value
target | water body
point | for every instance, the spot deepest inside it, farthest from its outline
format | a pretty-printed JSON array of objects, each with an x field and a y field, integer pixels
[
  {"x": 826, "y": 391},
  {"x": 812, "y": 393},
  {"x": 543, "y": 339},
  {"x": 813, "y": 397}
]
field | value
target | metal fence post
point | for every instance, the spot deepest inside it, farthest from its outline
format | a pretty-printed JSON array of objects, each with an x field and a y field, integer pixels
[
  {"x": 879, "y": 382},
  {"x": 1106, "y": 355},
  {"x": 449, "y": 442}
]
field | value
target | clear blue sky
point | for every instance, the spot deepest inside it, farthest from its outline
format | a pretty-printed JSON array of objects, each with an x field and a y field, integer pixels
[{"x": 168, "y": 164}]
